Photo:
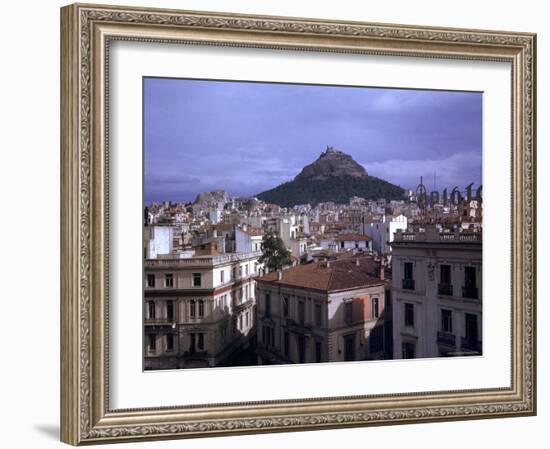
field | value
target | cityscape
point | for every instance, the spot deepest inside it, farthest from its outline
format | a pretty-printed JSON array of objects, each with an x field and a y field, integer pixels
[{"x": 327, "y": 262}]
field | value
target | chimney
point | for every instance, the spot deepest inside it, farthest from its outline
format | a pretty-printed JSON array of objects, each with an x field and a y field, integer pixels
[
  {"x": 357, "y": 261},
  {"x": 328, "y": 263},
  {"x": 280, "y": 275},
  {"x": 382, "y": 269}
]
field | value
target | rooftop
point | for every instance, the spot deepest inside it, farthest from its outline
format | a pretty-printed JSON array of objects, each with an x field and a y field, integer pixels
[{"x": 329, "y": 276}]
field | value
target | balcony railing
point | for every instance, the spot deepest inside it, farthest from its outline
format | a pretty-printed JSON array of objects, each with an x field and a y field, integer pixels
[
  {"x": 408, "y": 284},
  {"x": 469, "y": 344},
  {"x": 470, "y": 292},
  {"x": 445, "y": 289},
  {"x": 159, "y": 320},
  {"x": 446, "y": 338},
  {"x": 202, "y": 260},
  {"x": 446, "y": 237}
]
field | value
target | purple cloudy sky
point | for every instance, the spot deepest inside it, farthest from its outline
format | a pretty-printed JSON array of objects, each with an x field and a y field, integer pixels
[{"x": 249, "y": 137}]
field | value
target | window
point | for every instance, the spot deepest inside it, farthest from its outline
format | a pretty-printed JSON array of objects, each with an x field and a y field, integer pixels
[
  {"x": 375, "y": 308},
  {"x": 408, "y": 270},
  {"x": 445, "y": 274},
  {"x": 192, "y": 343},
  {"x": 201, "y": 308},
  {"x": 318, "y": 351},
  {"x": 151, "y": 310},
  {"x": 408, "y": 279},
  {"x": 408, "y": 350},
  {"x": 268, "y": 335},
  {"x": 470, "y": 328},
  {"x": 240, "y": 271},
  {"x": 348, "y": 312},
  {"x": 196, "y": 279},
  {"x": 192, "y": 308},
  {"x": 376, "y": 339},
  {"x": 200, "y": 344},
  {"x": 241, "y": 322},
  {"x": 301, "y": 312},
  {"x": 445, "y": 287},
  {"x": 469, "y": 290},
  {"x": 246, "y": 292},
  {"x": 349, "y": 348},
  {"x": 256, "y": 263},
  {"x": 168, "y": 280},
  {"x": 447, "y": 321},
  {"x": 169, "y": 342},
  {"x": 234, "y": 272},
  {"x": 285, "y": 306},
  {"x": 287, "y": 343},
  {"x": 150, "y": 280},
  {"x": 302, "y": 349},
  {"x": 246, "y": 320},
  {"x": 267, "y": 305},
  {"x": 409, "y": 315},
  {"x": 151, "y": 343},
  {"x": 246, "y": 270},
  {"x": 170, "y": 310},
  {"x": 318, "y": 315},
  {"x": 222, "y": 275}
]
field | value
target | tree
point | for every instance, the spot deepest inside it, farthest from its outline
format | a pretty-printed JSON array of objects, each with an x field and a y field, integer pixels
[{"x": 275, "y": 254}]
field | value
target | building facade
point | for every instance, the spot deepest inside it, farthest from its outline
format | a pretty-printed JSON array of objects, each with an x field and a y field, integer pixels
[
  {"x": 437, "y": 293},
  {"x": 198, "y": 311},
  {"x": 322, "y": 312},
  {"x": 382, "y": 232}
]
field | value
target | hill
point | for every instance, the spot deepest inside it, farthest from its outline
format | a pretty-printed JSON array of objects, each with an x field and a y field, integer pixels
[{"x": 334, "y": 176}]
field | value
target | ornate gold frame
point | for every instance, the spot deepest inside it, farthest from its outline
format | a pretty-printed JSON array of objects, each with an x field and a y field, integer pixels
[{"x": 86, "y": 31}]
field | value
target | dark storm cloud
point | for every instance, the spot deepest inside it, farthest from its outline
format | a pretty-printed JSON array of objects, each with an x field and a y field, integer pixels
[{"x": 249, "y": 137}]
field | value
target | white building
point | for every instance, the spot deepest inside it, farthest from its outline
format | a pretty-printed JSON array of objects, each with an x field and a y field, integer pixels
[
  {"x": 346, "y": 242},
  {"x": 215, "y": 215},
  {"x": 436, "y": 294},
  {"x": 198, "y": 310},
  {"x": 382, "y": 232},
  {"x": 158, "y": 240}
]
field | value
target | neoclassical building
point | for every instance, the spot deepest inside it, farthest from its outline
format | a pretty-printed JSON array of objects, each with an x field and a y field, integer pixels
[
  {"x": 198, "y": 310},
  {"x": 323, "y": 312},
  {"x": 437, "y": 293}
]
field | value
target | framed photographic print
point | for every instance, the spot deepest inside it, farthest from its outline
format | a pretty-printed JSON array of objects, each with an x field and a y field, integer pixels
[{"x": 280, "y": 224}]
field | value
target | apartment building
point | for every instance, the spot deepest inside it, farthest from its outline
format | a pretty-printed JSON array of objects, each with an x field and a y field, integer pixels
[
  {"x": 198, "y": 311},
  {"x": 437, "y": 293}
]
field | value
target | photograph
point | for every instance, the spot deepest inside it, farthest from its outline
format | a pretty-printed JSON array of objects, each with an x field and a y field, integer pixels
[{"x": 289, "y": 223}]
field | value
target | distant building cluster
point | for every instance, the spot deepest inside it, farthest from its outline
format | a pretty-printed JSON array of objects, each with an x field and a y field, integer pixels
[{"x": 368, "y": 280}]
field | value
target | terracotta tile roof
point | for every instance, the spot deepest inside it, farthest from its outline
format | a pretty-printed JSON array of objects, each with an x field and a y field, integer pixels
[
  {"x": 352, "y": 238},
  {"x": 332, "y": 276}
]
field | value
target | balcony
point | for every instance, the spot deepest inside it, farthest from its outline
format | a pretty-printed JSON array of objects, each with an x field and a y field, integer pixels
[
  {"x": 446, "y": 338},
  {"x": 469, "y": 344},
  {"x": 408, "y": 284},
  {"x": 470, "y": 292},
  {"x": 445, "y": 289},
  {"x": 238, "y": 306}
]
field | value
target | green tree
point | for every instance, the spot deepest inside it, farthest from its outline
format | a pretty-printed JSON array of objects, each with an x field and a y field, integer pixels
[{"x": 275, "y": 254}]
